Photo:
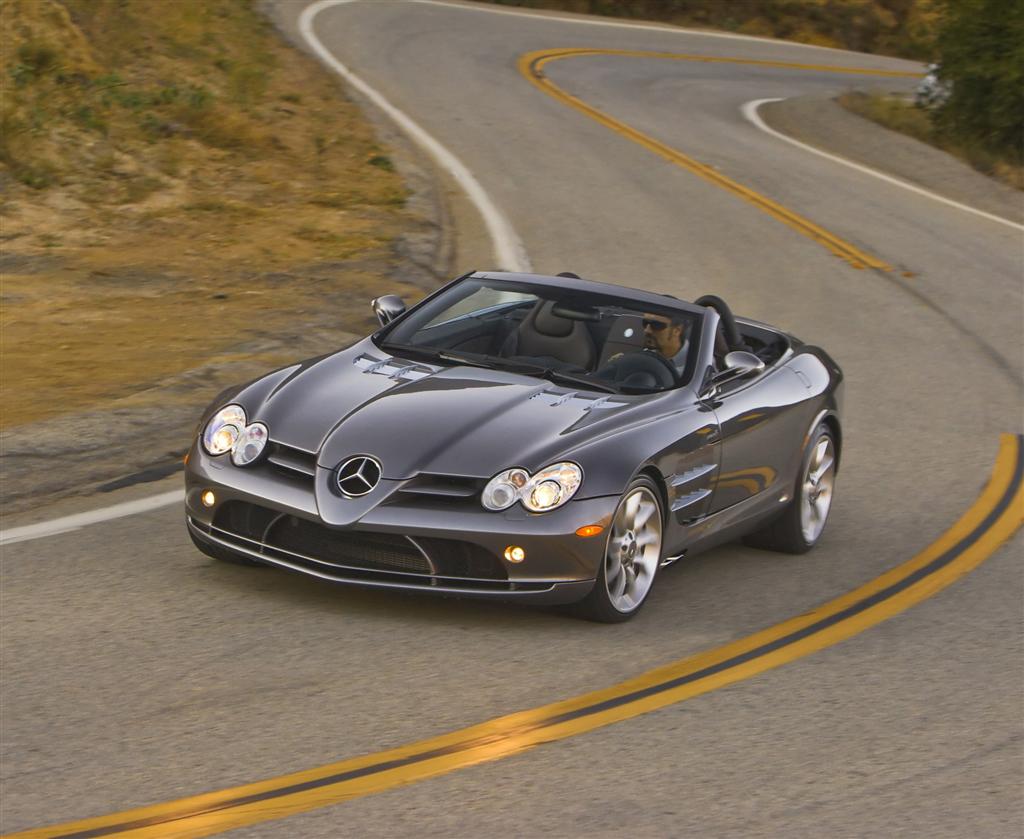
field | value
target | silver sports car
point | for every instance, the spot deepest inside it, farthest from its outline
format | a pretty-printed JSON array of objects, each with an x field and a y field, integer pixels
[{"x": 543, "y": 439}]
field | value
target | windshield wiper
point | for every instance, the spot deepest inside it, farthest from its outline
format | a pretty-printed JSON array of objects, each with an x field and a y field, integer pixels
[
  {"x": 557, "y": 376},
  {"x": 411, "y": 349},
  {"x": 482, "y": 361}
]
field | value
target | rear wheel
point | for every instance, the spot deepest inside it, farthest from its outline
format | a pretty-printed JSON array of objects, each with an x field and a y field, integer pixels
[
  {"x": 631, "y": 559},
  {"x": 800, "y": 526}
]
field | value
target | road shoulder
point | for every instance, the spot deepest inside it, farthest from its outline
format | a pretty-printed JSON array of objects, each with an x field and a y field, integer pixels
[{"x": 818, "y": 120}]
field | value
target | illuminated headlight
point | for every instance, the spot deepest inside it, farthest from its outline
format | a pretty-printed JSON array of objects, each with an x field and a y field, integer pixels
[
  {"x": 551, "y": 487},
  {"x": 228, "y": 431},
  {"x": 224, "y": 429},
  {"x": 250, "y": 444}
]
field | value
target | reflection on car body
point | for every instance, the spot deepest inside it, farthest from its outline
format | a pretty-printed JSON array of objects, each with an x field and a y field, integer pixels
[{"x": 523, "y": 437}]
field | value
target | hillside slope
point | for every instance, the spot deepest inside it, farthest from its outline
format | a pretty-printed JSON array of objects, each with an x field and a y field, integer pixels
[{"x": 178, "y": 186}]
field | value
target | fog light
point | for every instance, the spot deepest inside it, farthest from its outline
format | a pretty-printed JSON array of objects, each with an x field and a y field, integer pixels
[
  {"x": 513, "y": 553},
  {"x": 589, "y": 530},
  {"x": 208, "y": 498}
]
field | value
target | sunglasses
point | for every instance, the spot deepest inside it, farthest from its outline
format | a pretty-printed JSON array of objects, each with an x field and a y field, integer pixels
[{"x": 655, "y": 325}]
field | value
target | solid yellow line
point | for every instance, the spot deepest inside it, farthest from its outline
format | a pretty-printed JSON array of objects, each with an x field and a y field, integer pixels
[
  {"x": 531, "y": 66},
  {"x": 215, "y": 812},
  {"x": 564, "y": 52}
]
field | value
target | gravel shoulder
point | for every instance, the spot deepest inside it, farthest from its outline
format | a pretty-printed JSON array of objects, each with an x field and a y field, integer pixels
[{"x": 818, "y": 120}]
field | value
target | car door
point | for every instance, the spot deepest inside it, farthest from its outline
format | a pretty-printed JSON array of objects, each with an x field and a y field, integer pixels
[
  {"x": 757, "y": 438},
  {"x": 692, "y": 467}
]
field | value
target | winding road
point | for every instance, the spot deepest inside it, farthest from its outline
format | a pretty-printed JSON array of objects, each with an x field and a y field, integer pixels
[{"x": 136, "y": 671}]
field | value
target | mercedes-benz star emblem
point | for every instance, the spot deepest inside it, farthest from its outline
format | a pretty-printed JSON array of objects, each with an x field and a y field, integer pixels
[{"x": 358, "y": 476}]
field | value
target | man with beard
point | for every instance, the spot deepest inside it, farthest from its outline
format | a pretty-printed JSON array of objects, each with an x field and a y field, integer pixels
[{"x": 666, "y": 336}]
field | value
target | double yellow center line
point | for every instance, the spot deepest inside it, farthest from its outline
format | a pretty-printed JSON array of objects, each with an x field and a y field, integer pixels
[
  {"x": 532, "y": 64},
  {"x": 989, "y": 522}
]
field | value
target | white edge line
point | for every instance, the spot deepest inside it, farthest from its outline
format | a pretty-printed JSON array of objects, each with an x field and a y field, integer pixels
[
  {"x": 66, "y": 524},
  {"x": 508, "y": 251},
  {"x": 508, "y": 248},
  {"x": 749, "y": 110}
]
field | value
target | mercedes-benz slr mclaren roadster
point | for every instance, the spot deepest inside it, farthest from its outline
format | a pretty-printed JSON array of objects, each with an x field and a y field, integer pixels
[{"x": 532, "y": 438}]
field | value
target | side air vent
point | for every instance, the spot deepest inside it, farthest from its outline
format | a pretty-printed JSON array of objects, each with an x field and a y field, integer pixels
[
  {"x": 443, "y": 486},
  {"x": 291, "y": 460}
]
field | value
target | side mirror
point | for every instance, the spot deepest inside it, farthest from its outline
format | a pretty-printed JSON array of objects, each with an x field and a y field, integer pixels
[
  {"x": 387, "y": 308},
  {"x": 737, "y": 365}
]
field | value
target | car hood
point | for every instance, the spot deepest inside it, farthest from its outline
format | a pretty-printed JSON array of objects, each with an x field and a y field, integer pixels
[{"x": 416, "y": 417}]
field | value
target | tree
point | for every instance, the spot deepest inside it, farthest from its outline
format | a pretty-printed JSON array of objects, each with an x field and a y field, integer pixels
[{"x": 981, "y": 58}]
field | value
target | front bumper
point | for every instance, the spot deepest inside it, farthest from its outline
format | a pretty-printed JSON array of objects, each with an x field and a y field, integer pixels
[{"x": 441, "y": 545}]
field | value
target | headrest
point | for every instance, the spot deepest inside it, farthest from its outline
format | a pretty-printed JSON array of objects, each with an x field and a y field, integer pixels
[{"x": 550, "y": 324}]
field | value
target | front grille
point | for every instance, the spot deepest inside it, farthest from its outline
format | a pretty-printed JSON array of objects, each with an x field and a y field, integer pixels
[
  {"x": 380, "y": 551},
  {"x": 361, "y": 555}
]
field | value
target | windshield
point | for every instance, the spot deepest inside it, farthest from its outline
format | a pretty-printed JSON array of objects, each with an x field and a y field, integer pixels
[{"x": 579, "y": 339}]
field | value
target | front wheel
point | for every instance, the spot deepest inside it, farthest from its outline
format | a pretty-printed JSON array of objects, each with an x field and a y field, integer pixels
[{"x": 631, "y": 559}]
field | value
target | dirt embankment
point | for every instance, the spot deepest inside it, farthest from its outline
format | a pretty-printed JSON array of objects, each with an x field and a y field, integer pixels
[{"x": 187, "y": 202}]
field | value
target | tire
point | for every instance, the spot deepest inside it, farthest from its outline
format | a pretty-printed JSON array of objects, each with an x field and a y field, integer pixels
[
  {"x": 221, "y": 554},
  {"x": 797, "y": 530},
  {"x": 631, "y": 558}
]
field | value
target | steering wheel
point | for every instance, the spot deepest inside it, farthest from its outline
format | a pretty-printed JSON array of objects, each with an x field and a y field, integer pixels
[
  {"x": 732, "y": 332},
  {"x": 641, "y": 371}
]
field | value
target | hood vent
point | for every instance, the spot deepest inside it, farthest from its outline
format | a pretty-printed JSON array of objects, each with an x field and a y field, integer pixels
[
  {"x": 409, "y": 371},
  {"x": 582, "y": 401}
]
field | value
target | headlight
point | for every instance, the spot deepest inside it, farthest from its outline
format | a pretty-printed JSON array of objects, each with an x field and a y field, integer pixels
[
  {"x": 223, "y": 430},
  {"x": 502, "y": 491},
  {"x": 249, "y": 444},
  {"x": 551, "y": 487}
]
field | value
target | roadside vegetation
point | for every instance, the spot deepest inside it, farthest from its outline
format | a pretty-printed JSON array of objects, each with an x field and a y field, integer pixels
[
  {"x": 977, "y": 44},
  {"x": 891, "y": 27},
  {"x": 974, "y": 107},
  {"x": 899, "y": 114},
  {"x": 178, "y": 186}
]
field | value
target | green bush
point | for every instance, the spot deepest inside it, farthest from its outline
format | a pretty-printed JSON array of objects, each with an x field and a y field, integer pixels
[{"x": 981, "y": 53}]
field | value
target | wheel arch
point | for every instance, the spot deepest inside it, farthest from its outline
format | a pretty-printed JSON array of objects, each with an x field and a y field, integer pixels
[
  {"x": 654, "y": 473},
  {"x": 832, "y": 421}
]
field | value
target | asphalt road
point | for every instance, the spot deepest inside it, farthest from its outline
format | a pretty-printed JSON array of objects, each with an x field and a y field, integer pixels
[{"x": 135, "y": 670}]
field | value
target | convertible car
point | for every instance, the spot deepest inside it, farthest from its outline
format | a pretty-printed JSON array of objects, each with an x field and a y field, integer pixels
[{"x": 534, "y": 438}]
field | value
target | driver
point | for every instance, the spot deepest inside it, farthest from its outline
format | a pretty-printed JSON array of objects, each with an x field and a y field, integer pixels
[{"x": 666, "y": 335}]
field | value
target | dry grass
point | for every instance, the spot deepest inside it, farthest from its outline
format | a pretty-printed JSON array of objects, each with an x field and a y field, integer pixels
[
  {"x": 898, "y": 114},
  {"x": 162, "y": 173}
]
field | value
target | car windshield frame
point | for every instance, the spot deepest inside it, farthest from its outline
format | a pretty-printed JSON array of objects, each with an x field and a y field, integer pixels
[{"x": 586, "y": 299}]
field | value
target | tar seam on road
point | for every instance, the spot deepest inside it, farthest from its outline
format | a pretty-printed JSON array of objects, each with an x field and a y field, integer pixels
[
  {"x": 531, "y": 66},
  {"x": 984, "y": 527}
]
